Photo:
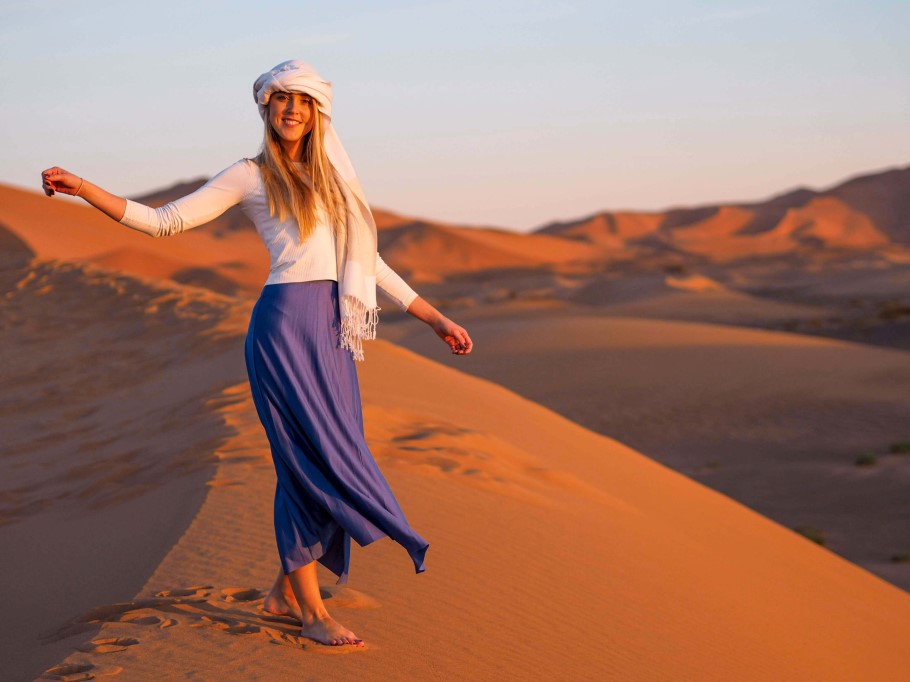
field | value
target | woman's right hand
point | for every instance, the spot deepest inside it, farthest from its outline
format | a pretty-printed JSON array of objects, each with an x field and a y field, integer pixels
[{"x": 58, "y": 180}]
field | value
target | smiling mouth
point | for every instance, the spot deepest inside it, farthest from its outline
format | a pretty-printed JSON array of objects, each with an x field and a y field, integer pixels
[{"x": 291, "y": 121}]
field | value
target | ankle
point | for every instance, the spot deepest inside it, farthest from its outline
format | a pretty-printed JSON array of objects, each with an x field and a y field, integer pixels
[
  {"x": 310, "y": 616},
  {"x": 279, "y": 595}
]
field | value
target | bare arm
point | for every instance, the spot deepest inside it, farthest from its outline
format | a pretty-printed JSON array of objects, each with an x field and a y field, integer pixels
[
  {"x": 407, "y": 299},
  {"x": 454, "y": 335},
  {"x": 58, "y": 180}
]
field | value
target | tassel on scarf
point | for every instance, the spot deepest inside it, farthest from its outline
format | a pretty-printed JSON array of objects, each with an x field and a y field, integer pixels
[{"x": 358, "y": 322}]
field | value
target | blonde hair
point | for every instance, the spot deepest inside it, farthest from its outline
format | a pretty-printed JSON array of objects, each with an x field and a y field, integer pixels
[{"x": 296, "y": 193}]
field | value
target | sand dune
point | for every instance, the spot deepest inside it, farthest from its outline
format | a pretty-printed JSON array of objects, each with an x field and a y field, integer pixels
[
  {"x": 647, "y": 563},
  {"x": 775, "y": 420},
  {"x": 657, "y": 572},
  {"x": 869, "y": 212},
  {"x": 883, "y": 197},
  {"x": 431, "y": 252},
  {"x": 107, "y": 444},
  {"x": 138, "y": 485}
]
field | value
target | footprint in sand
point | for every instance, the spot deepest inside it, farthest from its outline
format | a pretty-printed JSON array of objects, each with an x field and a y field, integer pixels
[
  {"x": 346, "y": 598},
  {"x": 148, "y": 619},
  {"x": 76, "y": 672},
  {"x": 71, "y": 672},
  {"x": 196, "y": 592},
  {"x": 228, "y": 625},
  {"x": 241, "y": 594},
  {"x": 196, "y": 607},
  {"x": 108, "y": 645}
]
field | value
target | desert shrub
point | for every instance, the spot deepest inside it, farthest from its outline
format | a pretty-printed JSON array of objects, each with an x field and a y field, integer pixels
[
  {"x": 901, "y": 558},
  {"x": 900, "y": 446},
  {"x": 865, "y": 459},
  {"x": 812, "y": 533}
]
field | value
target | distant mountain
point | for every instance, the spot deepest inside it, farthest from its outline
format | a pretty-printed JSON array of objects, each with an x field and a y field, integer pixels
[{"x": 865, "y": 212}]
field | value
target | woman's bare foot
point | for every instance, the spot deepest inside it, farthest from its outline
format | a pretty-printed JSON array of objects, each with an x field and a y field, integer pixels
[
  {"x": 281, "y": 604},
  {"x": 327, "y": 630}
]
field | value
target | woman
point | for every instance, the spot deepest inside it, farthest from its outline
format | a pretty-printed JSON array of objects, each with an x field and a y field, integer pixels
[{"x": 306, "y": 330}]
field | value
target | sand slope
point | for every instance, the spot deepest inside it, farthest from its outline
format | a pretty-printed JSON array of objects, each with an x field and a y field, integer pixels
[
  {"x": 107, "y": 444},
  {"x": 555, "y": 553},
  {"x": 773, "y": 419}
]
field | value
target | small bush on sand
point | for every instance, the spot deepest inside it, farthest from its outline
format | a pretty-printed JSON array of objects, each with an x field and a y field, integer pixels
[
  {"x": 901, "y": 558},
  {"x": 866, "y": 459},
  {"x": 811, "y": 532},
  {"x": 900, "y": 446}
]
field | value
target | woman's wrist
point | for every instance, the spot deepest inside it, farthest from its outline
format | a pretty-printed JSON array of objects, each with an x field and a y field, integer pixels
[{"x": 422, "y": 310}]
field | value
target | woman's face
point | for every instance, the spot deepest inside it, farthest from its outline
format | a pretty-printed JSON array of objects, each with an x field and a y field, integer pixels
[{"x": 291, "y": 116}]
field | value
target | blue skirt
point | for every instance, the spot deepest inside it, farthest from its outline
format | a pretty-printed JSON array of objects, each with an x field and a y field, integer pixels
[{"x": 307, "y": 396}]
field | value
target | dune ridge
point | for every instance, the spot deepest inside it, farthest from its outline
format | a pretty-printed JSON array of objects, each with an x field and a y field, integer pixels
[{"x": 657, "y": 571}]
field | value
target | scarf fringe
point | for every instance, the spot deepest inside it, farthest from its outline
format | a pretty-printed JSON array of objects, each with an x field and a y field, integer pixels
[{"x": 358, "y": 323}]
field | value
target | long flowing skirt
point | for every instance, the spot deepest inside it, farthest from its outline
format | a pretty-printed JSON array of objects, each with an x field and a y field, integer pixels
[{"x": 306, "y": 392}]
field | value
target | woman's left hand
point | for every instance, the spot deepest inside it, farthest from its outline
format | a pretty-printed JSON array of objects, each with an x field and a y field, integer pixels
[{"x": 455, "y": 336}]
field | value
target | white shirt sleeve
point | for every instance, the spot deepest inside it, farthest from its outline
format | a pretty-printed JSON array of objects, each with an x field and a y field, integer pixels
[
  {"x": 392, "y": 284},
  {"x": 208, "y": 202}
]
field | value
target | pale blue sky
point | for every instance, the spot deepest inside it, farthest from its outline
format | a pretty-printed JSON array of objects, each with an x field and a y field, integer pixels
[{"x": 499, "y": 112}]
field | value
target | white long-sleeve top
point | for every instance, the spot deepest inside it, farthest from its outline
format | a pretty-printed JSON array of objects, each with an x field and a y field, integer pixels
[{"x": 291, "y": 259}]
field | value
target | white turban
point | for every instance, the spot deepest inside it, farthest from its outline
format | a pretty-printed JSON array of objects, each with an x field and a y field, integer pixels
[
  {"x": 297, "y": 76},
  {"x": 357, "y": 253}
]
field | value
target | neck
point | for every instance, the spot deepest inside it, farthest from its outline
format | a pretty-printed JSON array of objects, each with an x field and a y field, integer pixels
[{"x": 292, "y": 150}]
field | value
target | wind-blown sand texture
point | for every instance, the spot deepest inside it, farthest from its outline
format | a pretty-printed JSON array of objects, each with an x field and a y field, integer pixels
[{"x": 137, "y": 483}]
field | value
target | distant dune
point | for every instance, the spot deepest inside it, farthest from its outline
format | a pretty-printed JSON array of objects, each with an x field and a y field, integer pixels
[{"x": 860, "y": 214}]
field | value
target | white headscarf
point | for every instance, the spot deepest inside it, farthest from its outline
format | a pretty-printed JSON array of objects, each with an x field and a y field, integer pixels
[{"x": 356, "y": 255}]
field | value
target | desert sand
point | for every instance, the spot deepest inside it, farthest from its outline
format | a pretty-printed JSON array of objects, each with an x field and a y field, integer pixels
[{"x": 136, "y": 515}]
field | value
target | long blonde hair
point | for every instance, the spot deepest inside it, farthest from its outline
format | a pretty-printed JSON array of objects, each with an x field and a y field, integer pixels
[{"x": 291, "y": 192}]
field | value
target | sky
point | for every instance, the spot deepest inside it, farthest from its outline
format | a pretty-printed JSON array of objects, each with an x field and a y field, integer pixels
[{"x": 503, "y": 112}]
